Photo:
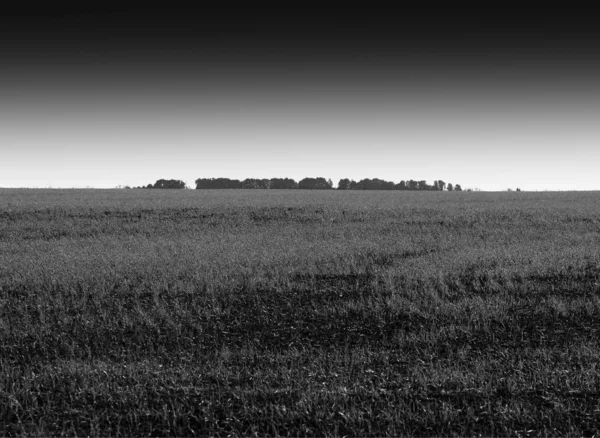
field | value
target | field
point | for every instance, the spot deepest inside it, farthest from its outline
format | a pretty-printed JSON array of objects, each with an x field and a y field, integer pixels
[{"x": 310, "y": 313}]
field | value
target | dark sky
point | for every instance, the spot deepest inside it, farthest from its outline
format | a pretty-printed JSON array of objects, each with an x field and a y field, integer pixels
[
  {"x": 443, "y": 93},
  {"x": 239, "y": 41}
]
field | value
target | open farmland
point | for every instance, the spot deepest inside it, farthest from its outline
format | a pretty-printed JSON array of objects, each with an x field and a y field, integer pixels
[{"x": 317, "y": 313}]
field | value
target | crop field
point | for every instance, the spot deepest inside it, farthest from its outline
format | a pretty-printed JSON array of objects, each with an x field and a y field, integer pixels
[{"x": 302, "y": 313}]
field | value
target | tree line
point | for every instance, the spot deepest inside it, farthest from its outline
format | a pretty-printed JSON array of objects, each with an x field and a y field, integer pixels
[
  {"x": 163, "y": 184},
  {"x": 323, "y": 184},
  {"x": 318, "y": 183},
  {"x": 379, "y": 184}
]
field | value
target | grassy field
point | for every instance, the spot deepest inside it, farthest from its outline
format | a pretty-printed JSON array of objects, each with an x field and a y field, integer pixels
[{"x": 155, "y": 312}]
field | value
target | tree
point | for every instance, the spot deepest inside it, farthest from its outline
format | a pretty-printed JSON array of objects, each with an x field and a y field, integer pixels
[
  {"x": 250, "y": 183},
  {"x": 202, "y": 183},
  {"x": 218, "y": 183},
  {"x": 363, "y": 184},
  {"x": 277, "y": 183},
  {"x": 315, "y": 184},
  {"x": 169, "y": 184},
  {"x": 377, "y": 184},
  {"x": 308, "y": 183},
  {"x": 289, "y": 183},
  {"x": 344, "y": 184},
  {"x": 274, "y": 183},
  {"x": 423, "y": 185},
  {"x": 323, "y": 184},
  {"x": 387, "y": 185}
]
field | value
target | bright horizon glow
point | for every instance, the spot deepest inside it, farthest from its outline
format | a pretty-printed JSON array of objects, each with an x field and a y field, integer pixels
[{"x": 104, "y": 143}]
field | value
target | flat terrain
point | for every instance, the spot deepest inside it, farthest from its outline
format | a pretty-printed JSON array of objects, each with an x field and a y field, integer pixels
[{"x": 311, "y": 313}]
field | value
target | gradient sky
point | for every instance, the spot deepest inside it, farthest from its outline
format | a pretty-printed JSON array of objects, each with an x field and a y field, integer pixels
[{"x": 487, "y": 98}]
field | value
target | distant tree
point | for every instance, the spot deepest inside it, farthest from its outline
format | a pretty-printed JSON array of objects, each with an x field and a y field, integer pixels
[
  {"x": 314, "y": 184},
  {"x": 343, "y": 184},
  {"x": 363, "y": 184},
  {"x": 319, "y": 183},
  {"x": 169, "y": 184},
  {"x": 423, "y": 185},
  {"x": 250, "y": 183},
  {"x": 292, "y": 184},
  {"x": 374, "y": 184},
  {"x": 289, "y": 183},
  {"x": 281, "y": 183},
  {"x": 438, "y": 185},
  {"x": 307, "y": 184},
  {"x": 518, "y": 189},
  {"x": 226, "y": 183},
  {"x": 149, "y": 186},
  {"x": 203, "y": 183},
  {"x": 381, "y": 184},
  {"x": 218, "y": 183},
  {"x": 323, "y": 184}
]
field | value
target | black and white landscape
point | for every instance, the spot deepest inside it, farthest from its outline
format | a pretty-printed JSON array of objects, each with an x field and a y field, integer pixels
[{"x": 341, "y": 222}]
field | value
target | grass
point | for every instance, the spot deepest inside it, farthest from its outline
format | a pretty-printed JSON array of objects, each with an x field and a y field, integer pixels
[{"x": 149, "y": 312}]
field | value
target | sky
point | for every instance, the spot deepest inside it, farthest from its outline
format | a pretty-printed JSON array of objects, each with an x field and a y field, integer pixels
[{"x": 490, "y": 99}]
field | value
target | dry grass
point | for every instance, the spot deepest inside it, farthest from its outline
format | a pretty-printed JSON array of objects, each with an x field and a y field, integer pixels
[{"x": 149, "y": 312}]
